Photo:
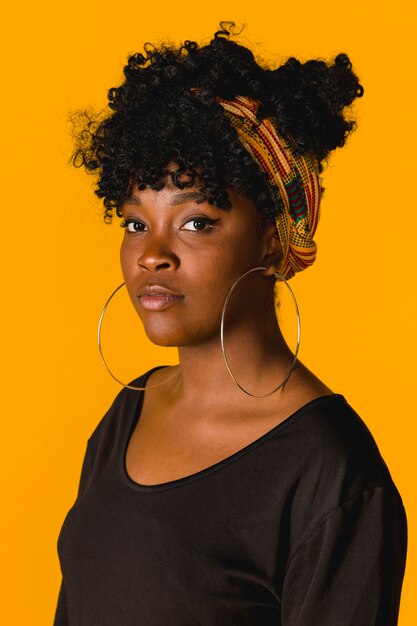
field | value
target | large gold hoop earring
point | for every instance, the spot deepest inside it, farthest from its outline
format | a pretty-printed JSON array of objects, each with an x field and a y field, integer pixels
[
  {"x": 104, "y": 360},
  {"x": 222, "y": 333}
]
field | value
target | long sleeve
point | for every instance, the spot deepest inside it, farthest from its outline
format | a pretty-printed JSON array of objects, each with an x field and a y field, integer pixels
[
  {"x": 349, "y": 571},
  {"x": 61, "y": 613}
]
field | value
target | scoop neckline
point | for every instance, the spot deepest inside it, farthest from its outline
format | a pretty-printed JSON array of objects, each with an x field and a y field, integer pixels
[{"x": 135, "y": 486}]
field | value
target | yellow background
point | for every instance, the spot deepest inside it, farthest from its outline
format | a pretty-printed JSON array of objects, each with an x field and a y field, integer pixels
[{"x": 60, "y": 261}]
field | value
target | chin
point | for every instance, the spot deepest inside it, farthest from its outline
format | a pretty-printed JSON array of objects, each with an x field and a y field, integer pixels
[
  {"x": 165, "y": 342},
  {"x": 163, "y": 334},
  {"x": 182, "y": 335}
]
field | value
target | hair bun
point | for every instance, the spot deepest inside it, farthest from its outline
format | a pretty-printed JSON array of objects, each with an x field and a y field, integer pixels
[{"x": 308, "y": 100}]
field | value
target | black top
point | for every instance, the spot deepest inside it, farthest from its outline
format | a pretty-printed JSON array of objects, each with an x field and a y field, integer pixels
[{"x": 302, "y": 527}]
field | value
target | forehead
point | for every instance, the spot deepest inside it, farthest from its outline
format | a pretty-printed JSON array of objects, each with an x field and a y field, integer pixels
[
  {"x": 170, "y": 195},
  {"x": 242, "y": 209}
]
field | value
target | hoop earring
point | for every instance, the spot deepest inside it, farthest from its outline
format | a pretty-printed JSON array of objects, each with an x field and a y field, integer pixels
[
  {"x": 222, "y": 333},
  {"x": 102, "y": 356}
]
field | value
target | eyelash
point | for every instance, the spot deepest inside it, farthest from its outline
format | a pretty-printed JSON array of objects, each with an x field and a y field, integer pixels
[{"x": 208, "y": 222}]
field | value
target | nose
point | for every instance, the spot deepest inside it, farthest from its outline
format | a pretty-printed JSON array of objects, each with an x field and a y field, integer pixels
[{"x": 157, "y": 255}]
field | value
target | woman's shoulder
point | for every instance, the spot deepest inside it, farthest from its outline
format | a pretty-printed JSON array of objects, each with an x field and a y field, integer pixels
[
  {"x": 336, "y": 454},
  {"x": 330, "y": 423},
  {"x": 328, "y": 433},
  {"x": 123, "y": 409}
]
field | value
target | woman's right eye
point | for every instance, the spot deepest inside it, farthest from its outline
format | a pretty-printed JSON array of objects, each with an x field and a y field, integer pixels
[{"x": 133, "y": 226}]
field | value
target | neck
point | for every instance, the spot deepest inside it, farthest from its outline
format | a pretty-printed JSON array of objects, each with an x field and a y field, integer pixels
[{"x": 258, "y": 356}]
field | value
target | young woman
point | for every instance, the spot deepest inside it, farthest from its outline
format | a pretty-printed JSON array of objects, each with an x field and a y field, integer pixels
[{"x": 239, "y": 488}]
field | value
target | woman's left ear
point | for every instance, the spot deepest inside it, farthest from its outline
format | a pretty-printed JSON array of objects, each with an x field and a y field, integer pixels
[{"x": 272, "y": 249}]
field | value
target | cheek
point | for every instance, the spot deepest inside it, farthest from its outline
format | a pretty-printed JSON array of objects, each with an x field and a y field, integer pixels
[
  {"x": 129, "y": 269},
  {"x": 129, "y": 264},
  {"x": 126, "y": 257}
]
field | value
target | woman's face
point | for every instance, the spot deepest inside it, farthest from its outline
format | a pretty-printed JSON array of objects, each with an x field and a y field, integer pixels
[{"x": 179, "y": 259}]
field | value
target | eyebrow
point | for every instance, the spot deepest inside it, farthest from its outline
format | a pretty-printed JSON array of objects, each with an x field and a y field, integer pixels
[{"x": 197, "y": 196}]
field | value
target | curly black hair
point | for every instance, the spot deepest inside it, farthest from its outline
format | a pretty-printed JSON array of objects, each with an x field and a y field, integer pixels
[{"x": 156, "y": 118}]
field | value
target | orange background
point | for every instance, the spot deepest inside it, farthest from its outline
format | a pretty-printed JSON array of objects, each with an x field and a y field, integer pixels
[{"x": 61, "y": 262}]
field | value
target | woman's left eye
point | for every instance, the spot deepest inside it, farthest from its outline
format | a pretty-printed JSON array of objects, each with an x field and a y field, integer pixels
[{"x": 199, "y": 223}]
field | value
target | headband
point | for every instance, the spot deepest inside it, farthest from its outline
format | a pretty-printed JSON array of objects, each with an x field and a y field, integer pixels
[{"x": 293, "y": 178}]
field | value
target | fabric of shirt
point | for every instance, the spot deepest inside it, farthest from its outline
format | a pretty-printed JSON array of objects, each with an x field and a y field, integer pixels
[{"x": 302, "y": 527}]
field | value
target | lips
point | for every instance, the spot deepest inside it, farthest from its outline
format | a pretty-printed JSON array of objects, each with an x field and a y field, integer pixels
[{"x": 157, "y": 297}]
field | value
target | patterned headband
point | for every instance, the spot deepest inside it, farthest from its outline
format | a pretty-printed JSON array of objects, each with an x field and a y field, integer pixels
[{"x": 295, "y": 179}]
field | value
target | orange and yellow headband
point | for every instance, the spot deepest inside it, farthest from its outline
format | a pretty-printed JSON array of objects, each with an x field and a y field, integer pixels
[{"x": 296, "y": 179}]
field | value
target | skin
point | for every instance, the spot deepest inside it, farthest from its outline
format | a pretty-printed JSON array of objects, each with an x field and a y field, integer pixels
[{"x": 199, "y": 416}]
